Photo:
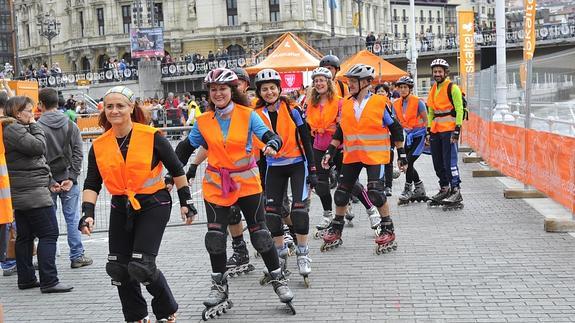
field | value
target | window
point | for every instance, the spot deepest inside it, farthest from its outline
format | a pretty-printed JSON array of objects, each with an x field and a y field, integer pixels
[
  {"x": 158, "y": 15},
  {"x": 395, "y": 30},
  {"x": 438, "y": 14},
  {"x": 81, "y": 19},
  {"x": 403, "y": 13},
  {"x": 405, "y": 31},
  {"x": 439, "y": 30},
  {"x": 27, "y": 30},
  {"x": 126, "y": 18},
  {"x": 100, "y": 18},
  {"x": 430, "y": 15},
  {"x": 232, "y": 7},
  {"x": 274, "y": 10},
  {"x": 421, "y": 31}
]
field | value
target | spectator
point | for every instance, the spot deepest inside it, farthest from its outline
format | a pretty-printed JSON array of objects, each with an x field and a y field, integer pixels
[
  {"x": 211, "y": 56},
  {"x": 203, "y": 104},
  {"x": 171, "y": 101},
  {"x": 8, "y": 265},
  {"x": 64, "y": 155},
  {"x": 25, "y": 145},
  {"x": 71, "y": 113},
  {"x": 369, "y": 41}
]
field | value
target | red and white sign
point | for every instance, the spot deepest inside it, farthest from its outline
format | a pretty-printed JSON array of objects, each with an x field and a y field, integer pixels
[{"x": 291, "y": 81}]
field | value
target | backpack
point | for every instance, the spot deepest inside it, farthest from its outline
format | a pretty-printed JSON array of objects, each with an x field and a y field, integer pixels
[
  {"x": 463, "y": 99},
  {"x": 60, "y": 163}
]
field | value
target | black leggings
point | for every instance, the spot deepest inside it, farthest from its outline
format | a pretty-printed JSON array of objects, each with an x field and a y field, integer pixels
[
  {"x": 358, "y": 189},
  {"x": 141, "y": 233},
  {"x": 277, "y": 178},
  {"x": 388, "y": 170},
  {"x": 411, "y": 175},
  {"x": 253, "y": 211}
]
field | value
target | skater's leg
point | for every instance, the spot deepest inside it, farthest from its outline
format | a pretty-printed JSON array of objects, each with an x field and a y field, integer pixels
[
  {"x": 375, "y": 189},
  {"x": 149, "y": 229},
  {"x": 215, "y": 239},
  {"x": 360, "y": 192},
  {"x": 411, "y": 175},
  {"x": 276, "y": 186},
  {"x": 240, "y": 258},
  {"x": 235, "y": 223},
  {"x": 454, "y": 178},
  {"x": 121, "y": 246},
  {"x": 322, "y": 188},
  {"x": 437, "y": 155},
  {"x": 389, "y": 170},
  {"x": 299, "y": 210}
]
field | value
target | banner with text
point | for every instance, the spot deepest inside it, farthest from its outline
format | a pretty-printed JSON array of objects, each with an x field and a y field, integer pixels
[
  {"x": 465, "y": 22},
  {"x": 147, "y": 42},
  {"x": 529, "y": 37},
  {"x": 292, "y": 81}
]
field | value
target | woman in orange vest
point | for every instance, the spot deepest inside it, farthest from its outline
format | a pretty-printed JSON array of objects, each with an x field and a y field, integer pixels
[
  {"x": 128, "y": 159},
  {"x": 227, "y": 130},
  {"x": 365, "y": 130},
  {"x": 294, "y": 163},
  {"x": 322, "y": 115},
  {"x": 412, "y": 114}
]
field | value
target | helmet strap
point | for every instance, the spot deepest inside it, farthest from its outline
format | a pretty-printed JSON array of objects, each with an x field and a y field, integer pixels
[{"x": 361, "y": 88}]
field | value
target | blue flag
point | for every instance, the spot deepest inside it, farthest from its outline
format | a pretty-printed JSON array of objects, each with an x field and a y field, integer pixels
[{"x": 332, "y": 4}]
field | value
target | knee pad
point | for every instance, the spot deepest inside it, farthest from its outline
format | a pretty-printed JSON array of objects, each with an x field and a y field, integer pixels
[
  {"x": 215, "y": 242},
  {"x": 117, "y": 269},
  {"x": 376, "y": 194},
  {"x": 261, "y": 238},
  {"x": 322, "y": 188},
  {"x": 235, "y": 215},
  {"x": 341, "y": 196},
  {"x": 274, "y": 224},
  {"x": 357, "y": 189},
  {"x": 300, "y": 219},
  {"x": 142, "y": 268}
]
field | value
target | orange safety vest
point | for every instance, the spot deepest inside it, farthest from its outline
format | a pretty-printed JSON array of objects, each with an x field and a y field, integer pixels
[
  {"x": 411, "y": 118},
  {"x": 6, "y": 211},
  {"x": 441, "y": 105},
  {"x": 229, "y": 155},
  {"x": 323, "y": 119},
  {"x": 367, "y": 140},
  {"x": 133, "y": 175},
  {"x": 285, "y": 128}
]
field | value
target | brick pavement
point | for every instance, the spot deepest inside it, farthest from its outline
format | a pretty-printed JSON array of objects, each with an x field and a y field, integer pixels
[{"x": 490, "y": 262}]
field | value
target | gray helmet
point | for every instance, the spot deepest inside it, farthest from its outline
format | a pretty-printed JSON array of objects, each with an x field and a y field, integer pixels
[
  {"x": 330, "y": 60},
  {"x": 440, "y": 62},
  {"x": 360, "y": 71},
  {"x": 405, "y": 80},
  {"x": 268, "y": 75},
  {"x": 242, "y": 74},
  {"x": 321, "y": 71}
]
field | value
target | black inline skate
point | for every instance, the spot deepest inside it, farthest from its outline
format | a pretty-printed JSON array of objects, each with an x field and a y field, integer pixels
[
  {"x": 239, "y": 262},
  {"x": 437, "y": 199},
  {"x": 453, "y": 201}
]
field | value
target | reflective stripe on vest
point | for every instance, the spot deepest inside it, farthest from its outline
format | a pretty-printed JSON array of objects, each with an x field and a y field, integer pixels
[
  {"x": 229, "y": 154},
  {"x": 367, "y": 140},
  {"x": 285, "y": 128},
  {"x": 410, "y": 119},
  {"x": 441, "y": 105},
  {"x": 132, "y": 175},
  {"x": 6, "y": 210}
]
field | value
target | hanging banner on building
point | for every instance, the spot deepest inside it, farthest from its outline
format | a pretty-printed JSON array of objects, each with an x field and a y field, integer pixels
[
  {"x": 147, "y": 42},
  {"x": 528, "y": 38},
  {"x": 465, "y": 22},
  {"x": 292, "y": 81}
]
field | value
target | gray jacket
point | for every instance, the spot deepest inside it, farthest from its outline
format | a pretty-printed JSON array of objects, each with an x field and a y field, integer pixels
[
  {"x": 29, "y": 174},
  {"x": 55, "y": 125}
]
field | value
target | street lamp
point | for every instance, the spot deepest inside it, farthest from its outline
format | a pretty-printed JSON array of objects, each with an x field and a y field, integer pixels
[{"x": 49, "y": 29}]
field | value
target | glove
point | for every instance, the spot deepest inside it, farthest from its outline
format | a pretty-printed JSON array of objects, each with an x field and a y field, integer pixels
[
  {"x": 401, "y": 157},
  {"x": 186, "y": 201},
  {"x": 455, "y": 134},
  {"x": 191, "y": 171},
  {"x": 273, "y": 144},
  {"x": 87, "y": 212},
  {"x": 168, "y": 180},
  {"x": 312, "y": 178}
]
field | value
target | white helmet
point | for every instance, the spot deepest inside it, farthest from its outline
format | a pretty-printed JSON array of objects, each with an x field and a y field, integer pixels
[
  {"x": 221, "y": 76},
  {"x": 321, "y": 71},
  {"x": 268, "y": 75},
  {"x": 360, "y": 71},
  {"x": 440, "y": 62}
]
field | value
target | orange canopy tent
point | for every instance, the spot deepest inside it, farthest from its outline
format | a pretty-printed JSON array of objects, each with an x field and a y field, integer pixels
[
  {"x": 291, "y": 54},
  {"x": 384, "y": 70}
]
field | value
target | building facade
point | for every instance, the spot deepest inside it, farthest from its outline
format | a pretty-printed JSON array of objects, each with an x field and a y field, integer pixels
[
  {"x": 94, "y": 31},
  {"x": 6, "y": 34}
]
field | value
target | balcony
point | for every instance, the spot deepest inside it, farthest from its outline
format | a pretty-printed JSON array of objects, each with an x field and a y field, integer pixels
[
  {"x": 230, "y": 28},
  {"x": 272, "y": 25},
  {"x": 421, "y": 19},
  {"x": 395, "y": 19},
  {"x": 431, "y": 20},
  {"x": 439, "y": 20},
  {"x": 405, "y": 19}
]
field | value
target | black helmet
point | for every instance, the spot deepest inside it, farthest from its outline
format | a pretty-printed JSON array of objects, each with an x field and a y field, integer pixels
[
  {"x": 242, "y": 74},
  {"x": 329, "y": 60}
]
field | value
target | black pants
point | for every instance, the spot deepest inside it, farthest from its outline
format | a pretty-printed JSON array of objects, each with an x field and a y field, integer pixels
[
  {"x": 41, "y": 223},
  {"x": 277, "y": 178},
  {"x": 141, "y": 233},
  {"x": 218, "y": 219},
  {"x": 322, "y": 176},
  {"x": 388, "y": 171},
  {"x": 358, "y": 191},
  {"x": 411, "y": 175}
]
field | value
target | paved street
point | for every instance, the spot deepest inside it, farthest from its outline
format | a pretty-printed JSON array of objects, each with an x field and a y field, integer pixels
[{"x": 490, "y": 262}]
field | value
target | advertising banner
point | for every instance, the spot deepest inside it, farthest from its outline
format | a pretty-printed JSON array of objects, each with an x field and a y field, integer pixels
[
  {"x": 291, "y": 81},
  {"x": 147, "y": 42},
  {"x": 528, "y": 38},
  {"x": 465, "y": 22}
]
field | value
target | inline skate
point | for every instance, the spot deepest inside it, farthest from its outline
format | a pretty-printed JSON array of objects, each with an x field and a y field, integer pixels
[
  {"x": 405, "y": 196},
  {"x": 304, "y": 265},
  {"x": 437, "y": 199},
  {"x": 332, "y": 239},
  {"x": 239, "y": 262},
  {"x": 323, "y": 225},
  {"x": 217, "y": 302},
  {"x": 453, "y": 201},
  {"x": 279, "y": 282},
  {"x": 385, "y": 240}
]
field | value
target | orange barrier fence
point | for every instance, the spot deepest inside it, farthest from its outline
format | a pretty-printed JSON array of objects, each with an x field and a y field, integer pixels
[
  {"x": 88, "y": 123},
  {"x": 546, "y": 162}
]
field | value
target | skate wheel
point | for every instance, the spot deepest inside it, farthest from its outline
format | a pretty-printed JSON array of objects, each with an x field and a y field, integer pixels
[
  {"x": 377, "y": 250},
  {"x": 322, "y": 248},
  {"x": 292, "y": 309},
  {"x": 205, "y": 315},
  {"x": 306, "y": 282},
  {"x": 263, "y": 280}
]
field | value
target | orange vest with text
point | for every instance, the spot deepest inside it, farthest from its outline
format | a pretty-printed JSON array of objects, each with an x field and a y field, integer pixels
[
  {"x": 229, "y": 154},
  {"x": 411, "y": 118},
  {"x": 6, "y": 211},
  {"x": 366, "y": 141},
  {"x": 323, "y": 119},
  {"x": 133, "y": 175},
  {"x": 440, "y": 104},
  {"x": 285, "y": 128}
]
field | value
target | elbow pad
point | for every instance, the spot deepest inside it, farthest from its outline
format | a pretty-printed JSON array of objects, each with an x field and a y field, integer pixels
[
  {"x": 396, "y": 131},
  {"x": 273, "y": 140},
  {"x": 184, "y": 150}
]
